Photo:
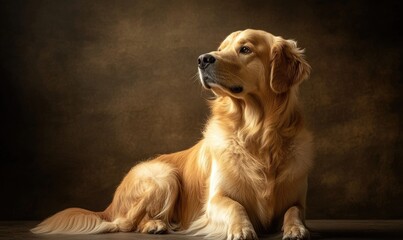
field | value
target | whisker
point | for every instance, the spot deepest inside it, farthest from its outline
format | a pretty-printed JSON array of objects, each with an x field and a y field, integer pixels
[{"x": 195, "y": 77}]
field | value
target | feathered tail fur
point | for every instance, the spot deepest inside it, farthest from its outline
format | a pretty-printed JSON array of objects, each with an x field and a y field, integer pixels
[{"x": 75, "y": 221}]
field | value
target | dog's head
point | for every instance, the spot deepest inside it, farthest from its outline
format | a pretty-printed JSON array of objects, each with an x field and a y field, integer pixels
[{"x": 253, "y": 62}]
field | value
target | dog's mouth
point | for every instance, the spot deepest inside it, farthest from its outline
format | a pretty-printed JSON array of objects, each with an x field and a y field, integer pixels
[{"x": 209, "y": 82}]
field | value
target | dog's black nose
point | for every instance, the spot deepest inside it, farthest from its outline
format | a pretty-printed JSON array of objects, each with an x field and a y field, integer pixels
[{"x": 204, "y": 60}]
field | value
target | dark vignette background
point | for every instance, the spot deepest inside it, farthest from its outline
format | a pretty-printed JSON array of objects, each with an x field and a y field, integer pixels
[{"x": 89, "y": 88}]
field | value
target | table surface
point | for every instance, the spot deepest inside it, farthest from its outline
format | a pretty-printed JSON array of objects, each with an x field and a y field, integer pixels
[{"x": 320, "y": 229}]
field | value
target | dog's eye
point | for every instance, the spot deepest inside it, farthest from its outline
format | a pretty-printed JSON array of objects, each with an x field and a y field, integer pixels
[{"x": 245, "y": 50}]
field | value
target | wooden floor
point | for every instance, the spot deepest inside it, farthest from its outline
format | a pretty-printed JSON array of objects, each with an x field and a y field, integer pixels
[{"x": 320, "y": 229}]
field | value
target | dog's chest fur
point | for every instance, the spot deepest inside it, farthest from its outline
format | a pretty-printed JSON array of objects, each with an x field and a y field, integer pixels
[{"x": 263, "y": 189}]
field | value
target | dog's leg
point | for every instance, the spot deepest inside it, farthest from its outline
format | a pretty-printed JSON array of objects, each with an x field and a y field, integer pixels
[
  {"x": 293, "y": 226},
  {"x": 227, "y": 212},
  {"x": 148, "y": 194}
]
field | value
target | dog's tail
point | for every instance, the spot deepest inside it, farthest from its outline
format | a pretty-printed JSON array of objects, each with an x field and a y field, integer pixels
[{"x": 76, "y": 221}]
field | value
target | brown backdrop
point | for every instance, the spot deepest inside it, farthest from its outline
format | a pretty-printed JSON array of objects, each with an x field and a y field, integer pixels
[{"x": 89, "y": 88}]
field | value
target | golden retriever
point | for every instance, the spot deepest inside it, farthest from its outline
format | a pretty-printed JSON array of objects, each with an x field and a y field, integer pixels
[{"x": 249, "y": 171}]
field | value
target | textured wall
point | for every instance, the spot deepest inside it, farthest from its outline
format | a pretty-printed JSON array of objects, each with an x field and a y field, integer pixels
[{"x": 88, "y": 88}]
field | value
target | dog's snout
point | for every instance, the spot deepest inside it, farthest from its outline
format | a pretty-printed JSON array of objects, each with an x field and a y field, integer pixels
[{"x": 205, "y": 59}]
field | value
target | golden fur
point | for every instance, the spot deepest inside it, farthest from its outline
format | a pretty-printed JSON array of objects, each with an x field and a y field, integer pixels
[{"x": 248, "y": 172}]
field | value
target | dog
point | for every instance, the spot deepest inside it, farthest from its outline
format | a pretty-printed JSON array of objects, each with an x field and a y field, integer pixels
[{"x": 247, "y": 174}]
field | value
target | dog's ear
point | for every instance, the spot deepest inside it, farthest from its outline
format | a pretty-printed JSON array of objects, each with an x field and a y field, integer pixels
[{"x": 288, "y": 66}]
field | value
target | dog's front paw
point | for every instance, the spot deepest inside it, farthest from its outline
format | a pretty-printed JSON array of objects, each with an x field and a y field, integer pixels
[
  {"x": 295, "y": 232},
  {"x": 243, "y": 231}
]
